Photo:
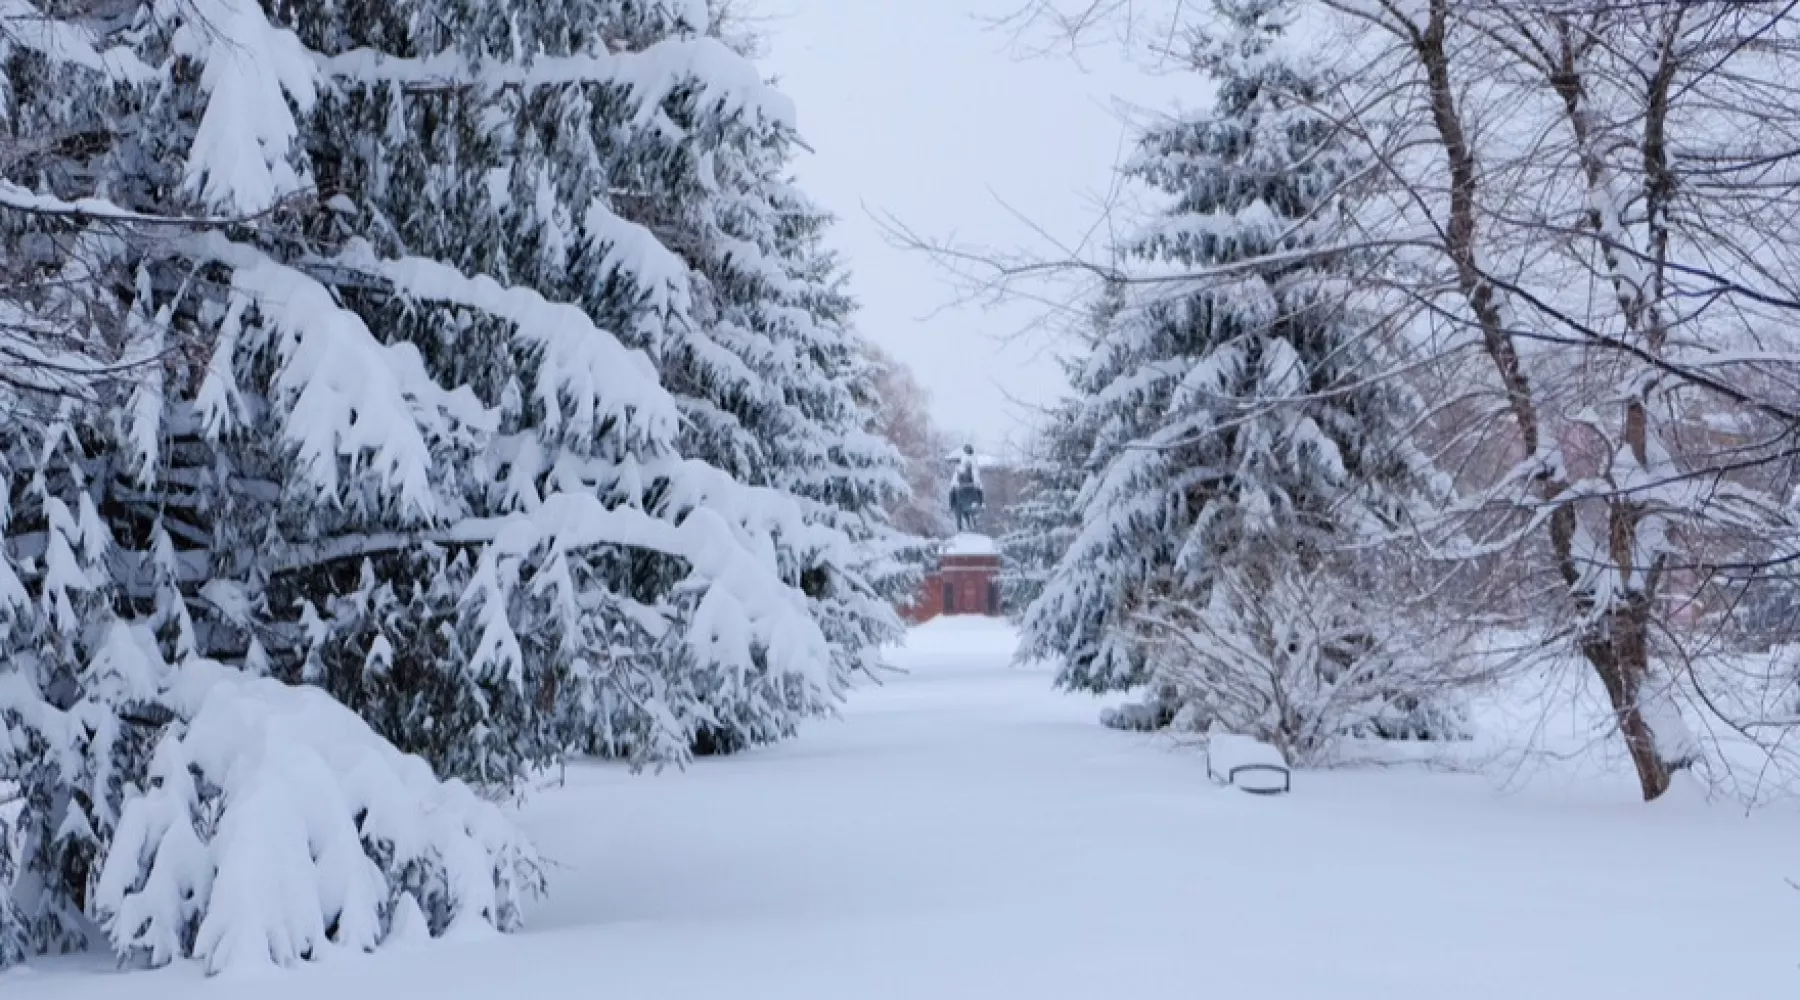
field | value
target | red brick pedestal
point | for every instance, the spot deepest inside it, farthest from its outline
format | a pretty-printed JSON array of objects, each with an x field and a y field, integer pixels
[{"x": 966, "y": 582}]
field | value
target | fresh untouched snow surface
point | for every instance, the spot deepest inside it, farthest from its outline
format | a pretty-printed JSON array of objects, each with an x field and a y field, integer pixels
[{"x": 964, "y": 831}]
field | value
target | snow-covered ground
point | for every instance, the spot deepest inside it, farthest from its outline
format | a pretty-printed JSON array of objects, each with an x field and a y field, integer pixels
[{"x": 966, "y": 832}]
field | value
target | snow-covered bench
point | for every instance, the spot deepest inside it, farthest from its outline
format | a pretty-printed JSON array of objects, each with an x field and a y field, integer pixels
[{"x": 1247, "y": 763}]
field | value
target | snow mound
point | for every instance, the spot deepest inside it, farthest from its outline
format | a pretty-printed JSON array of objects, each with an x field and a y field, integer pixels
[
  {"x": 277, "y": 825},
  {"x": 970, "y": 544}
]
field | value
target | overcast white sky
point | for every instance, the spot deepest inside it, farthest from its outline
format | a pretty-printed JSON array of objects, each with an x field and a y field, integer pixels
[{"x": 918, "y": 109}]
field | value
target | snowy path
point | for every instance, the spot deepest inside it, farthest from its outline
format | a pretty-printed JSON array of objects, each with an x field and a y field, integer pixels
[{"x": 966, "y": 833}]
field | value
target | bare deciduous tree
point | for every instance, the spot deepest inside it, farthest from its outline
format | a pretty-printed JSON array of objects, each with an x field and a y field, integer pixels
[{"x": 1559, "y": 167}]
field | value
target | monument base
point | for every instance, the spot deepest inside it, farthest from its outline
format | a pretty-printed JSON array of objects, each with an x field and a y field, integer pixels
[{"x": 966, "y": 581}]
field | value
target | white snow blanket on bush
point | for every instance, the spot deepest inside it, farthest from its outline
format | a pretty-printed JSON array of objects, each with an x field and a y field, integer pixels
[{"x": 276, "y": 825}]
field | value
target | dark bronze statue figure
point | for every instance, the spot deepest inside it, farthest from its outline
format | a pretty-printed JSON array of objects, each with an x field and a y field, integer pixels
[{"x": 966, "y": 497}]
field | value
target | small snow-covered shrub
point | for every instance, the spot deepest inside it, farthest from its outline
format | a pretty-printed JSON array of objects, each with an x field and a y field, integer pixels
[
  {"x": 277, "y": 824},
  {"x": 1303, "y": 658}
]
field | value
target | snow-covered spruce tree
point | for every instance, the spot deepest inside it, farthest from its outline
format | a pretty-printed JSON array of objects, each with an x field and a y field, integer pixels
[
  {"x": 595, "y": 174},
  {"x": 137, "y": 286},
  {"x": 776, "y": 389},
  {"x": 78, "y": 353},
  {"x": 1046, "y": 517},
  {"x": 383, "y": 436},
  {"x": 823, "y": 443},
  {"x": 1048, "y": 514},
  {"x": 492, "y": 166},
  {"x": 1242, "y": 431}
]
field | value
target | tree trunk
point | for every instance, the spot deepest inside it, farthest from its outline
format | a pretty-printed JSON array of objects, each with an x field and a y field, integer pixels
[
  {"x": 1618, "y": 649},
  {"x": 1621, "y": 656}
]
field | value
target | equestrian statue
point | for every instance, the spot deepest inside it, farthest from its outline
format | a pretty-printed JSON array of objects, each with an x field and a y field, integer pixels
[{"x": 966, "y": 497}]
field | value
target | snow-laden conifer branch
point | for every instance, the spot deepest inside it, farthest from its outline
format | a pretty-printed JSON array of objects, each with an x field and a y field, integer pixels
[
  {"x": 21, "y": 199},
  {"x": 347, "y": 398},
  {"x": 587, "y": 379},
  {"x": 278, "y": 826},
  {"x": 28, "y": 26},
  {"x": 723, "y": 81}
]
